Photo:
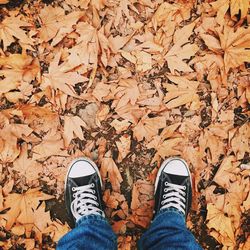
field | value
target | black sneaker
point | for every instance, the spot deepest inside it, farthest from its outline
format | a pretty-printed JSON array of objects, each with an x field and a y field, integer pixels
[
  {"x": 83, "y": 190},
  {"x": 173, "y": 186}
]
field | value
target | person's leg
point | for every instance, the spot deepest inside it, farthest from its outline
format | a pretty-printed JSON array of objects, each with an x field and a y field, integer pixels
[
  {"x": 83, "y": 198},
  {"x": 91, "y": 232},
  {"x": 173, "y": 196}
]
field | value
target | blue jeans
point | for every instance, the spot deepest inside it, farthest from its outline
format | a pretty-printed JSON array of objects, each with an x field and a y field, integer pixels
[{"x": 167, "y": 231}]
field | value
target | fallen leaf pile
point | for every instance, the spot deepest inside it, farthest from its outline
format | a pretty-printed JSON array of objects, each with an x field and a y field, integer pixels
[{"x": 128, "y": 84}]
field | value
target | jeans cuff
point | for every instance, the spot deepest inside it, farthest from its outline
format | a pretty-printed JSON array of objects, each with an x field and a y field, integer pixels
[
  {"x": 90, "y": 218},
  {"x": 170, "y": 210}
]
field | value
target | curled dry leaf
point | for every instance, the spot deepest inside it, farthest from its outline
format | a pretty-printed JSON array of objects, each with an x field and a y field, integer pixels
[
  {"x": 110, "y": 170},
  {"x": 123, "y": 146}
]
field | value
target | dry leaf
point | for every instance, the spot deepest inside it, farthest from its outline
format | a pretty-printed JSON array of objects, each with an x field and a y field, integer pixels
[
  {"x": 72, "y": 129},
  {"x": 222, "y": 224},
  {"x": 57, "y": 78},
  {"x": 27, "y": 167},
  {"x": 18, "y": 69},
  {"x": 10, "y": 28},
  {"x": 148, "y": 127},
  {"x": 51, "y": 145},
  {"x": 110, "y": 170},
  {"x": 22, "y": 207},
  {"x": 240, "y": 141},
  {"x": 185, "y": 91},
  {"x": 126, "y": 92},
  {"x": 120, "y": 125},
  {"x": 123, "y": 146}
]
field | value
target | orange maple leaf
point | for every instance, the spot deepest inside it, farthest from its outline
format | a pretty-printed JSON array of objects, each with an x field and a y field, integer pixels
[
  {"x": 10, "y": 27},
  {"x": 126, "y": 92},
  {"x": 72, "y": 128},
  {"x": 17, "y": 69},
  {"x": 184, "y": 92},
  {"x": 27, "y": 167},
  {"x": 148, "y": 127},
  {"x": 22, "y": 207},
  {"x": 57, "y": 78}
]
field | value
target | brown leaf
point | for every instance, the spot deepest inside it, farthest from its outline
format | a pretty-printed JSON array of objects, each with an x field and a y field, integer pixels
[
  {"x": 10, "y": 27},
  {"x": 148, "y": 127},
  {"x": 58, "y": 78},
  {"x": 222, "y": 224},
  {"x": 22, "y": 206},
  {"x": 184, "y": 92},
  {"x": 225, "y": 175},
  {"x": 127, "y": 92},
  {"x": 110, "y": 170},
  {"x": 72, "y": 129},
  {"x": 50, "y": 145},
  {"x": 17, "y": 69},
  {"x": 123, "y": 146},
  {"x": 27, "y": 167}
]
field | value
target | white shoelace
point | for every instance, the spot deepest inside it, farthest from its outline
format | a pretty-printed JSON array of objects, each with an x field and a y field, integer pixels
[
  {"x": 174, "y": 197},
  {"x": 84, "y": 202}
]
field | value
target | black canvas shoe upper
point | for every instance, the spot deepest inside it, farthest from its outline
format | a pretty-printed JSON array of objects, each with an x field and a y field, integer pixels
[
  {"x": 173, "y": 189},
  {"x": 83, "y": 194}
]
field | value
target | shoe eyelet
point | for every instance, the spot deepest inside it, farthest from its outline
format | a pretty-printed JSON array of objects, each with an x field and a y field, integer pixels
[
  {"x": 74, "y": 195},
  {"x": 165, "y": 189},
  {"x": 92, "y": 185},
  {"x": 184, "y": 187},
  {"x": 164, "y": 196},
  {"x": 93, "y": 191},
  {"x": 166, "y": 183},
  {"x": 161, "y": 203},
  {"x": 73, "y": 189}
]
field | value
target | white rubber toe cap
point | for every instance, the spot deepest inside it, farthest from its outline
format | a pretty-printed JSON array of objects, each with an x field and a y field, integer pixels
[
  {"x": 176, "y": 167},
  {"x": 81, "y": 168}
]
